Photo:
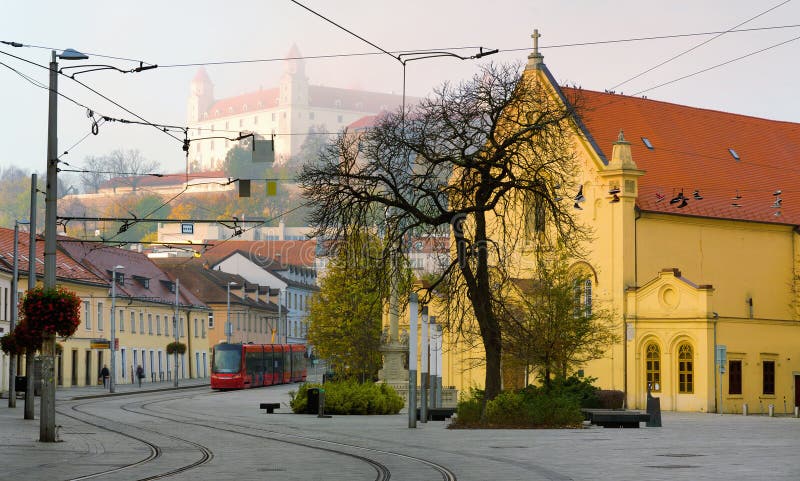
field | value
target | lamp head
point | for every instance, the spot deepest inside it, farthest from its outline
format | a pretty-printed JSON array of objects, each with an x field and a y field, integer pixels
[
  {"x": 119, "y": 267},
  {"x": 72, "y": 54}
]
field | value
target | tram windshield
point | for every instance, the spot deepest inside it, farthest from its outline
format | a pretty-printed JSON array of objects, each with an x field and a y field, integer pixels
[{"x": 227, "y": 359}]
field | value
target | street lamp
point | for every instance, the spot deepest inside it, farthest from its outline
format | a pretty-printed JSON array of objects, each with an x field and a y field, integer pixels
[
  {"x": 12, "y": 367},
  {"x": 228, "y": 325},
  {"x": 47, "y": 426},
  {"x": 113, "y": 381}
]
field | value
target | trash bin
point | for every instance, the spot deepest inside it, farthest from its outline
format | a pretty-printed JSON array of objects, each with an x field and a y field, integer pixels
[
  {"x": 312, "y": 404},
  {"x": 21, "y": 383}
]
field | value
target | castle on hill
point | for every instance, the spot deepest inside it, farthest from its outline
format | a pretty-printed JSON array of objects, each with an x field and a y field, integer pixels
[{"x": 286, "y": 113}]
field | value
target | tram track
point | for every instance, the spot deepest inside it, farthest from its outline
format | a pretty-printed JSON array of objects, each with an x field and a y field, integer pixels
[
  {"x": 147, "y": 408},
  {"x": 156, "y": 451},
  {"x": 383, "y": 472}
]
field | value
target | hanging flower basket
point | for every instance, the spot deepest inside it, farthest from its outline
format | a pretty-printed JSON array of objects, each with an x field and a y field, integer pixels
[
  {"x": 51, "y": 311},
  {"x": 174, "y": 347},
  {"x": 21, "y": 340}
]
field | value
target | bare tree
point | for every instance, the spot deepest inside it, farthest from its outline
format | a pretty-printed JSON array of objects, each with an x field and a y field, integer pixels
[
  {"x": 129, "y": 166},
  {"x": 465, "y": 157},
  {"x": 95, "y": 172}
]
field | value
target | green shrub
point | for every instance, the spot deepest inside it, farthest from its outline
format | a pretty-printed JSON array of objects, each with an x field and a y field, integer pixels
[
  {"x": 350, "y": 397},
  {"x": 468, "y": 411},
  {"x": 532, "y": 407}
]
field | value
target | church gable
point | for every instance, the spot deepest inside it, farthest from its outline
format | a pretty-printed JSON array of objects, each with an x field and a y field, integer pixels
[{"x": 670, "y": 296}]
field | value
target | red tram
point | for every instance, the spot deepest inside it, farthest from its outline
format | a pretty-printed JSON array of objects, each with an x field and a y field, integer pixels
[{"x": 241, "y": 366}]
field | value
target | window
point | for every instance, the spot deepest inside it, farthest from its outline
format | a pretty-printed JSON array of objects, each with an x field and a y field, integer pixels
[
  {"x": 203, "y": 329},
  {"x": 534, "y": 215},
  {"x": 685, "y": 369},
  {"x": 141, "y": 323},
  {"x": 273, "y": 116},
  {"x": 587, "y": 298},
  {"x": 166, "y": 325},
  {"x": 158, "y": 325},
  {"x": 734, "y": 377},
  {"x": 120, "y": 320},
  {"x": 647, "y": 143},
  {"x": 653, "y": 367},
  {"x": 99, "y": 316},
  {"x": 255, "y": 120},
  {"x": 87, "y": 314},
  {"x": 339, "y": 119},
  {"x": 769, "y": 377},
  {"x": 133, "y": 320},
  {"x": 211, "y": 320},
  {"x": 150, "y": 324},
  {"x": 311, "y": 116},
  {"x": 195, "y": 327}
]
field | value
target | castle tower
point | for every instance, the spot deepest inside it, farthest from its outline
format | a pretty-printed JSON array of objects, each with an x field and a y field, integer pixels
[{"x": 201, "y": 96}]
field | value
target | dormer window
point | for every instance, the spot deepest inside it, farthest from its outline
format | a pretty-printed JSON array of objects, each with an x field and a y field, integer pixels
[
  {"x": 143, "y": 281},
  {"x": 734, "y": 154},
  {"x": 647, "y": 143}
]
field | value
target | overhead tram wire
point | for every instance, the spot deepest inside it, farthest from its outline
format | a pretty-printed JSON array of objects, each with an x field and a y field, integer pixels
[
  {"x": 750, "y": 54},
  {"x": 698, "y": 45},
  {"x": 393, "y": 53}
]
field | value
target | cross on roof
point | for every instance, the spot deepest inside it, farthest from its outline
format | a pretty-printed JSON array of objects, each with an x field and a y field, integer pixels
[{"x": 535, "y": 38}]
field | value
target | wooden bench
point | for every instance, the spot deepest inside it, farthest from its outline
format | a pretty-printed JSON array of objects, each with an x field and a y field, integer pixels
[
  {"x": 270, "y": 407},
  {"x": 615, "y": 418}
]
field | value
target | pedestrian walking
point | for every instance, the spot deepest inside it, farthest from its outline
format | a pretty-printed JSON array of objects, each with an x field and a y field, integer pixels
[
  {"x": 104, "y": 374},
  {"x": 139, "y": 374}
]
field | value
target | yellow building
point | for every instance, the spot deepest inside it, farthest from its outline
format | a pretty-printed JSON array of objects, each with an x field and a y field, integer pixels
[
  {"x": 144, "y": 320},
  {"x": 695, "y": 217}
]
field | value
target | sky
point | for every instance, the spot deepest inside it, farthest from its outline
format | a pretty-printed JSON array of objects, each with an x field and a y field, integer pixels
[{"x": 173, "y": 33}]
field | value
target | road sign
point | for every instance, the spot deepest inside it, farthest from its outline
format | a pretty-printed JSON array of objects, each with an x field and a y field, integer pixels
[{"x": 187, "y": 228}]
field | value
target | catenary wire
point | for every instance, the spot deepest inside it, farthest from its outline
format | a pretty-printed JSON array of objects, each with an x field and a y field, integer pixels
[{"x": 698, "y": 45}]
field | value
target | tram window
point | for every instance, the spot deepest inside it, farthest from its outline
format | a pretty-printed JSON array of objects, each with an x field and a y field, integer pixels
[{"x": 227, "y": 361}]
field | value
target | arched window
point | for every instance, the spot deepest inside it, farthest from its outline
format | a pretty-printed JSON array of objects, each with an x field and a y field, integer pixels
[
  {"x": 582, "y": 297},
  {"x": 653, "y": 367},
  {"x": 685, "y": 369},
  {"x": 587, "y": 297}
]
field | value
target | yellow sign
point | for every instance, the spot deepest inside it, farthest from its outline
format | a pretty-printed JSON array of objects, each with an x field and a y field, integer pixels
[{"x": 99, "y": 344}]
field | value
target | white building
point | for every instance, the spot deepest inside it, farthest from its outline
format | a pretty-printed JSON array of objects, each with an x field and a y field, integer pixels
[{"x": 293, "y": 107}]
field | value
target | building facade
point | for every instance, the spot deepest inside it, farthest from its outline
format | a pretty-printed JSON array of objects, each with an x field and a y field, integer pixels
[
  {"x": 694, "y": 250},
  {"x": 285, "y": 113}
]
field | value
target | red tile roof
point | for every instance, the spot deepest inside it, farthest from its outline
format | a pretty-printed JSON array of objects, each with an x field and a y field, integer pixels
[
  {"x": 288, "y": 252},
  {"x": 137, "y": 267},
  {"x": 690, "y": 152},
  {"x": 66, "y": 267}
]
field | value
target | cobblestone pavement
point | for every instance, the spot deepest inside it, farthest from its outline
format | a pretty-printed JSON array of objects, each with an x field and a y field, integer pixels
[{"x": 227, "y": 436}]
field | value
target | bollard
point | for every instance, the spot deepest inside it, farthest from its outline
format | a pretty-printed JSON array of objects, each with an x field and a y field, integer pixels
[
  {"x": 322, "y": 405},
  {"x": 771, "y": 408},
  {"x": 744, "y": 409},
  {"x": 796, "y": 411}
]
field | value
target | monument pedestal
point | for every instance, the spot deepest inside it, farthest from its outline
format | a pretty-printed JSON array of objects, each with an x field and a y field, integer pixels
[{"x": 395, "y": 370}]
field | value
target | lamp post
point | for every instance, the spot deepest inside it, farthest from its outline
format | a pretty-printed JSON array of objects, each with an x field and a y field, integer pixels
[
  {"x": 12, "y": 368},
  {"x": 47, "y": 426},
  {"x": 112, "y": 383},
  {"x": 228, "y": 325}
]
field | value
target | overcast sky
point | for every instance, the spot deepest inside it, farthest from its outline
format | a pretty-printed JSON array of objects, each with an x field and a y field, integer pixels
[{"x": 168, "y": 33}]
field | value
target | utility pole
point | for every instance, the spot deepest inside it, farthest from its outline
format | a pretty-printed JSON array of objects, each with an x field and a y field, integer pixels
[
  {"x": 175, "y": 328},
  {"x": 412, "y": 360}
]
